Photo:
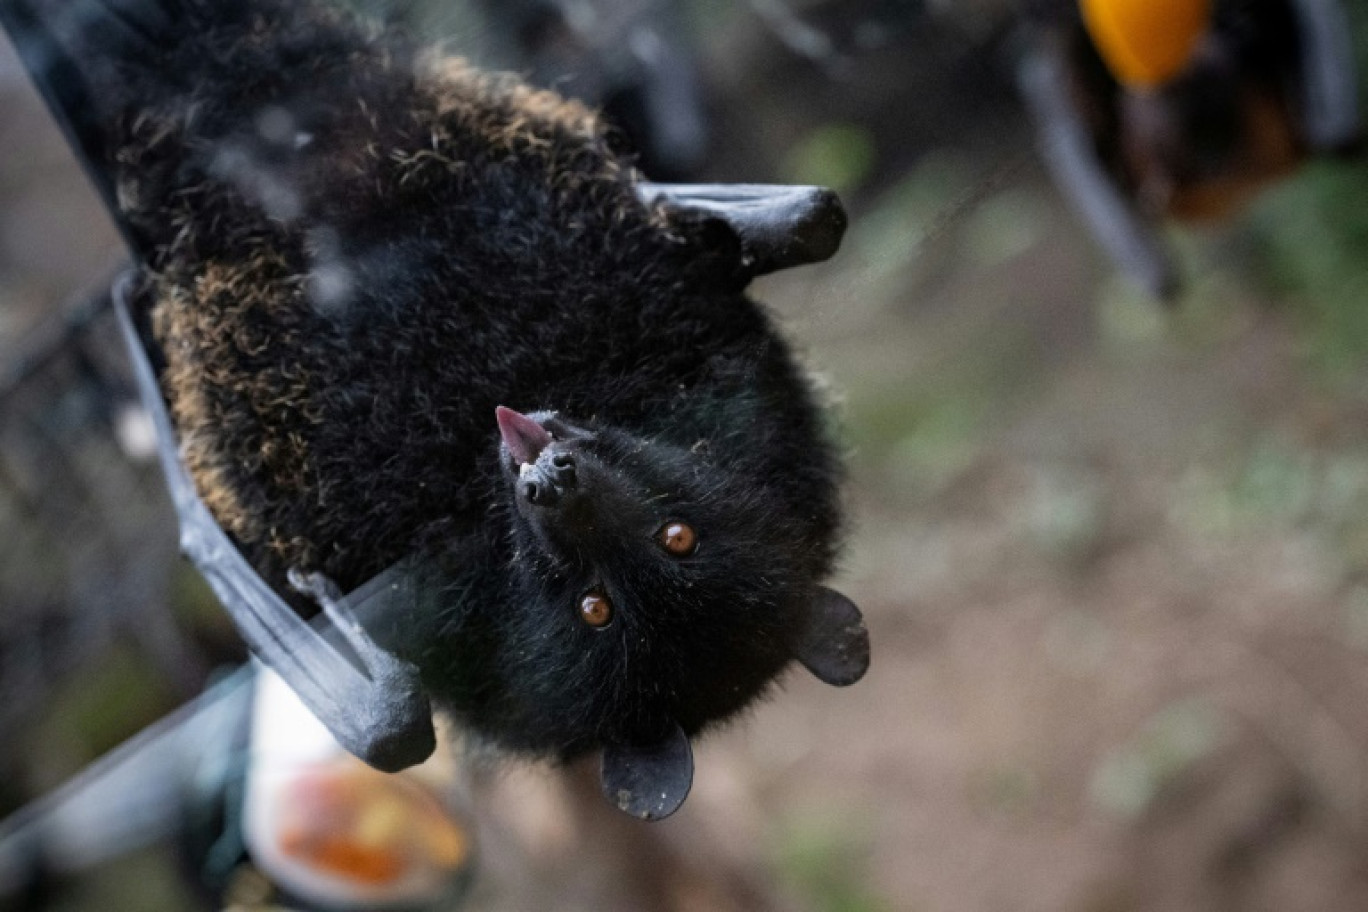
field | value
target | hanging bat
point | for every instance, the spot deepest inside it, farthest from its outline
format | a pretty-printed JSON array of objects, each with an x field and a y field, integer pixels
[
  {"x": 436, "y": 369},
  {"x": 1183, "y": 109}
]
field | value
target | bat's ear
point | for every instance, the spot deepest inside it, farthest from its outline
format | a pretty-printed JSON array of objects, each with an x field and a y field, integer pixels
[
  {"x": 649, "y": 782},
  {"x": 771, "y": 226},
  {"x": 835, "y": 645}
]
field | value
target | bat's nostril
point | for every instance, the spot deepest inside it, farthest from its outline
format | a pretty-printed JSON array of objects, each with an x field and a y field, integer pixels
[
  {"x": 560, "y": 471},
  {"x": 545, "y": 493}
]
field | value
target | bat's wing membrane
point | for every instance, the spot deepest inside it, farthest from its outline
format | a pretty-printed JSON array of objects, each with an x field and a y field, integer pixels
[{"x": 372, "y": 701}]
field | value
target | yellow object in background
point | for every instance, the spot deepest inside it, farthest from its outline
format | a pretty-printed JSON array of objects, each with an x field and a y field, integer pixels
[{"x": 1146, "y": 42}]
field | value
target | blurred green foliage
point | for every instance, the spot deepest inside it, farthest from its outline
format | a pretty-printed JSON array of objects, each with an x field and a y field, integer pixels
[
  {"x": 108, "y": 703},
  {"x": 823, "y": 858},
  {"x": 836, "y": 155},
  {"x": 1311, "y": 234},
  {"x": 141, "y": 880},
  {"x": 1131, "y": 777}
]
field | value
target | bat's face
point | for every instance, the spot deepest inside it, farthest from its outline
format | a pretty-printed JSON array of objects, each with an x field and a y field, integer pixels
[{"x": 653, "y": 593}]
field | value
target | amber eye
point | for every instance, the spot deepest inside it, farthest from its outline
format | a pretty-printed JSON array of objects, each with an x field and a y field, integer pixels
[
  {"x": 595, "y": 609},
  {"x": 678, "y": 538}
]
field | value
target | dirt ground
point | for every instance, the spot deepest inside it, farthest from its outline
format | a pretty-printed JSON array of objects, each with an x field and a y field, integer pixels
[{"x": 1113, "y": 558}]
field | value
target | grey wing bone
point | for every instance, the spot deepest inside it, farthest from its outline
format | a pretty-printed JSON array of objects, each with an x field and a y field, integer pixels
[
  {"x": 1127, "y": 237},
  {"x": 372, "y": 701},
  {"x": 1329, "y": 85}
]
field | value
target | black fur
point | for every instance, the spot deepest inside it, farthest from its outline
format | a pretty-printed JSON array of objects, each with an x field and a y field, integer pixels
[{"x": 352, "y": 253}]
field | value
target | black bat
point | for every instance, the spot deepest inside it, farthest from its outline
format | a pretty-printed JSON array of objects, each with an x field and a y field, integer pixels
[
  {"x": 1182, "y": 109},
  {"x": 351, "y": 251}
]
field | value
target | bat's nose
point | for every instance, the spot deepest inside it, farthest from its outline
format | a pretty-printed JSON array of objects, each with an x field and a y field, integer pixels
[{"x": 546, "y": 482}]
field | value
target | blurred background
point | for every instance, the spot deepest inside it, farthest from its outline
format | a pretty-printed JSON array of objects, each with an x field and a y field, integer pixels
[{"x": 1113, "y": 554}]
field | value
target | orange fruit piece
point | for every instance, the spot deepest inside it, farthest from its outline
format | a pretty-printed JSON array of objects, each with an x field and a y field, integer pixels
[{"x": 1145, "y": 43}]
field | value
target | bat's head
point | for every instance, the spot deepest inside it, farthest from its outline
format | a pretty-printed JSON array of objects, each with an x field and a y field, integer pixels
[{"x": 657, "y": 591}]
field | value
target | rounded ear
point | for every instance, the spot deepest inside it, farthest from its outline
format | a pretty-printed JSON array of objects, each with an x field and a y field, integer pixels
[
  {"x": 835, "y": 645},
  {"x": 649, "y": 782}
]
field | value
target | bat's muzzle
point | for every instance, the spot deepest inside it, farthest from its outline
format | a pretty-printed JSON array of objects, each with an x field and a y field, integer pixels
[
  {"x": 540, "y": 456},
  {"x": 546, "y": 482}
]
